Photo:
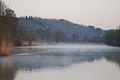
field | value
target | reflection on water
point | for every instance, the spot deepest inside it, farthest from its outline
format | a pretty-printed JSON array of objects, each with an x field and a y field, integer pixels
[
  {"x": 114, "y": 58},
  {"x": 8, "y": 70},
  {"x": 34, "y": 59}
]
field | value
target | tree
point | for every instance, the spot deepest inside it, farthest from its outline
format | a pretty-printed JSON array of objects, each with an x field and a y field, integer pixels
[
  {"x": 59, "y": 36},
  {"x": 112, "y": 37},
  {"x": 10, "y": 13},
  {"x": 7, "y": 28},
  {"x": 2, "y": 8},
  {"x": 75, "y": 37}
]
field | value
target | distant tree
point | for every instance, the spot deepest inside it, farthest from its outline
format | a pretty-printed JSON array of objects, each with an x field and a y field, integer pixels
[
  {"x": 75, "y": 38},
  {"x": 48, "y": 34},
  {"x": 91, "y": 27},
  {"x": 59, "y": 36},
  {"x": 24, "y": 34},
  {"x": 112, "y": 37}
]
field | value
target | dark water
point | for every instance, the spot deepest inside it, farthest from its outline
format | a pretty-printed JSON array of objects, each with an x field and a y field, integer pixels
[{"x": 62, "y": 62}]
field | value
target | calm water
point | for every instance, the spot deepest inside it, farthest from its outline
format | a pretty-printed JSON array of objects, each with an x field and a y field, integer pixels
[{"x": 62, "y": 62}]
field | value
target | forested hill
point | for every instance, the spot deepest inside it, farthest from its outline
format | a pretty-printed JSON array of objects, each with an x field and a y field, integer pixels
[{"x": 60, "y": 30}]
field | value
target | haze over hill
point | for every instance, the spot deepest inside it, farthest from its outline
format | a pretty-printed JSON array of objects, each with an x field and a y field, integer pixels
[{"x": 61, "y": 30}]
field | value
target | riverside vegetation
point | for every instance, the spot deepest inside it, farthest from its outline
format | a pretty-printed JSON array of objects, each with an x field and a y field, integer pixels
[{"x": 14, "y": 30}]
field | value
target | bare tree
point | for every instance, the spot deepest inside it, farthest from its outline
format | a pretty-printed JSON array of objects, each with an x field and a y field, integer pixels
[{"x": 2, "y": 8}]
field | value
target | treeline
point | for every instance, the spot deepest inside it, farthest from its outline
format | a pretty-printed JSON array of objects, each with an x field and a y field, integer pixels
[
  {"x": 61, "y": 30},
  {"x": 30, "y": 35},
  {"x": 55, "y": 31},
  {"x": 112, "y": 37},
  {"x": 8, "y": 23},
  {"x": 51, "y": 36},
  {"x": 60, "y": 36}
]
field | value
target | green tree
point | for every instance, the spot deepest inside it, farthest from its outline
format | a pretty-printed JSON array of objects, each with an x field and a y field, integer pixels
[{"x": 112, "y": 37}]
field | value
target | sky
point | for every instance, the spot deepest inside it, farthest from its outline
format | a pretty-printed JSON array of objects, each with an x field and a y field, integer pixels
[{"x": 100, "y": 13}]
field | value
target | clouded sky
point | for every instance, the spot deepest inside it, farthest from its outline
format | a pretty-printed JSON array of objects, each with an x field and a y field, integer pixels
[{"x": 101, "y": 13}]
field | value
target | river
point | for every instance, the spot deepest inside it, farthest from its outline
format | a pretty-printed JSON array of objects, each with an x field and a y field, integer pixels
[{"x": 62, "y": 62}]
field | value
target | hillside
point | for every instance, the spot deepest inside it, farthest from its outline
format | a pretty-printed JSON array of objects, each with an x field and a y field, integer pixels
[{"x": 61, "y": 30}]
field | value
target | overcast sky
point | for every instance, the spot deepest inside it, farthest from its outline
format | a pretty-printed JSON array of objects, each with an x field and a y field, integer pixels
[{"x": 100, "y": 13}]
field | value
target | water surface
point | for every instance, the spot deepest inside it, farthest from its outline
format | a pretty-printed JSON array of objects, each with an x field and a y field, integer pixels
[{"x": 62, "y": 62}]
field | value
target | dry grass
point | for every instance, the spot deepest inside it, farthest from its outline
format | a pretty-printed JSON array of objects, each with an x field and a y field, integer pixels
[{"x": 5, "y": 47}]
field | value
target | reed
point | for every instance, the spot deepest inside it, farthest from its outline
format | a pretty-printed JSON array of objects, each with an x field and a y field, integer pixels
[{"x": 5, "y": 47}]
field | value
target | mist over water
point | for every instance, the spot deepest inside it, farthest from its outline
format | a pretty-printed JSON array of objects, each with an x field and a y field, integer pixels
[
  {"x": 63, "y": 62},
  {"x": 67, "y": 48}
]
